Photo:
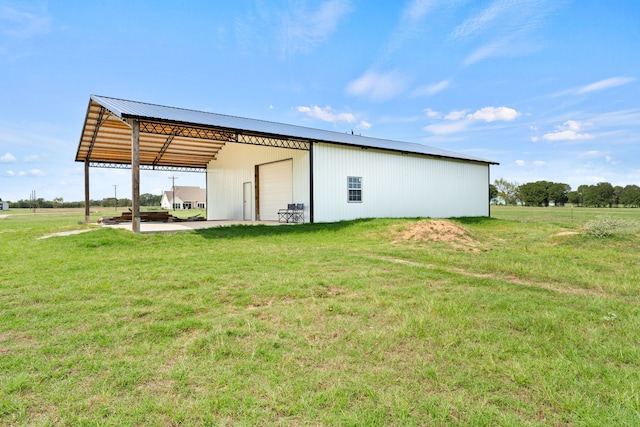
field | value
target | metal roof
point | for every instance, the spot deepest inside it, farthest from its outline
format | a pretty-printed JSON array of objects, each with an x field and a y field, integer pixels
[{"x": 173, "y": 137}]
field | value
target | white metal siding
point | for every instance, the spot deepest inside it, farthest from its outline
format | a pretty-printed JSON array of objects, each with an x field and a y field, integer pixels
[
  {"x": 235, "y": 165},
  {"x": 276, "y": 188},
  {"x": 396, "y": 185}
]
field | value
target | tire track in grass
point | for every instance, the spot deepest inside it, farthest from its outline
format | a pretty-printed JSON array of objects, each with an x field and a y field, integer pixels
[{"x": 508, "y": 278}]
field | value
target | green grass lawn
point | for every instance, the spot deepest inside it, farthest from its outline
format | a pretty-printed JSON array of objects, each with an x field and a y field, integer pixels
[{"x": 513, "y": 320}]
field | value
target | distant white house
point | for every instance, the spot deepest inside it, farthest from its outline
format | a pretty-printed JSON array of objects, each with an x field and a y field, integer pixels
[
  {"x": 186, "y": 197},
  {"x": 4, "y": 206}
]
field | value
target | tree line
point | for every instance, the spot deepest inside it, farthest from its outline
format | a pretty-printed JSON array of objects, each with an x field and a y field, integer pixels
[
  {"x": 146, "y": 199},
  {"x": 546, "y": 193}
]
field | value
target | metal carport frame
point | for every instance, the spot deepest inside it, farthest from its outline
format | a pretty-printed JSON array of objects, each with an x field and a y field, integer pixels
[{"x": 128, "y": 134}]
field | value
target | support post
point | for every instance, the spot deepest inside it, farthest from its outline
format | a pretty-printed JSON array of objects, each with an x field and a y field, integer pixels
[
  {"x": 135, "y": 176},
  {"x": 311, "y": 204},
  {"x": 86, "y": 191}
]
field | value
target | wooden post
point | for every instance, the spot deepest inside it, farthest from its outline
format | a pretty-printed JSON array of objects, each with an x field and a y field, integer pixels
[
  {"x": 135, "y": 176},
  {"x": 86, "y": 191}
]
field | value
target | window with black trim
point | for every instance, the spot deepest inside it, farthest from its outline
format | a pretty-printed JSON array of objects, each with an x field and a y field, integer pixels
[{"x": 354, "y": 189}]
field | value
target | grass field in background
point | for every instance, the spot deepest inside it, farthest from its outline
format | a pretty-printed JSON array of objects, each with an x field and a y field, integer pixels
[{"x": 516, "y": 319}]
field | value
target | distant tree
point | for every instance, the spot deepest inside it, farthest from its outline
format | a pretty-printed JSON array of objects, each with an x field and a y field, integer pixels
[
  {"x": 617, "y": 193},
  {"x": 535, "y": 193},
  {"x": 57, "y": 201},
  {"x": 582, "y": 190},
  {"x": 508, "y": 191},
  {"x": 630, "y": 196},
  {"x": 606, "y": 193},
  {"x": 107, "y": 202},
  {"x": 574, "y": 197},
  {"x": 558, "y": 193},
  {"x": 591, "y": 197},
  {"x": 493, "y": 192},
  {"x": 148, "y": 199},
  {"x": 42, "y": 203},
  {"x": 599, "y": 195}
]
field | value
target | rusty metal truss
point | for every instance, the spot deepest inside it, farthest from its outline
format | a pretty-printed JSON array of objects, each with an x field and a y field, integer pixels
[
  {"x": 187, "y": 131},
  {"x": 223, "y": 135},
  {"x": 101, "y": 119},
  {"x": 147, "y": 167},
  {"x": 295, "y": 144},
  {"x": 163, "y": 149}
]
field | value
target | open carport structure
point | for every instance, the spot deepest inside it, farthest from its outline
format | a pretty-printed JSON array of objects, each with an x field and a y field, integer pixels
[
  {"x": 255, "y": 167},
  {"x": 126, "y": 134}
]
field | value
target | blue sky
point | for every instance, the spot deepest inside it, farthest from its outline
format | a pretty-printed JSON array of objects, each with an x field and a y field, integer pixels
[{"x": 549, "y": 89}]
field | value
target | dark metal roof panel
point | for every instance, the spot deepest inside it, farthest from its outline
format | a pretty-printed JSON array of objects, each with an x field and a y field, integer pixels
[{"x": 140, "y": 110}]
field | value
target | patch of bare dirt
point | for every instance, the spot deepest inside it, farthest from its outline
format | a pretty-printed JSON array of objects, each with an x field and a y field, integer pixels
[
  {"x": 437, "y": 231},
  {"x": 403, "y": 261},
  {"x": 567, "y": 233},
  {"x": 257, "y": 305},
  {"x": 65, "y": 233}
]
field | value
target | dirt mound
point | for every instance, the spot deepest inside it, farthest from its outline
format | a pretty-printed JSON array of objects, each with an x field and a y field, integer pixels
[{"x": 436, "y": 231}]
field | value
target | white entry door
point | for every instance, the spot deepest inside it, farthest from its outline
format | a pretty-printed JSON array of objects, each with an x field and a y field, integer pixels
[
  {"x": 276, "y": 188},
  {"x": 247, "y": 202}
]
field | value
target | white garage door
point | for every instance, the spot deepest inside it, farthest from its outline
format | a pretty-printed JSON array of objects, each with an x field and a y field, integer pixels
[{"x": 276, "y": 188}]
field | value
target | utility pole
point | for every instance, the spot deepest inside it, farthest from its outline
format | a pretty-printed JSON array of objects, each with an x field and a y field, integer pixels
[
  {"x": 115, "y": 195},
  {"x": 173, "y": 189}
]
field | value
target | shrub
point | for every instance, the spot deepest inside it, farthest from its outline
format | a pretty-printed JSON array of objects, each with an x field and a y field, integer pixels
[{"x": 605, "y": 226}]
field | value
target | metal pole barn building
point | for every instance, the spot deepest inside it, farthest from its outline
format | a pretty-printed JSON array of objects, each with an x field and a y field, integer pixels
[{"x": 256, "y": 168}]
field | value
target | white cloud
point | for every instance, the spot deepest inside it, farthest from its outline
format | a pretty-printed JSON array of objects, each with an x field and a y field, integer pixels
[
  {"x": 32, "y": 158},
  {"x": 448, "y": 127},
  {"x": 32, "y": 172},
  {"x": 492, "y": 114},
  {"x": 431, "y": 114},
  {"x": 520, "y": 163},
  {"x": 410, "y": 26},
  {"x": 597, "y": 154},
  {"x": 596, "y": 87},
  {"x": 7, "y": 158},
  {"x": 569, "y": 131},
  {"x": 539, "y": 163},
  {"x": 326, "y": 114},
  {"x": 504, "y": 27},
  {"x": 271, "y": 107},
  {"x": 431, "y": 89},
  {"x": 416, "y": 10},
  {"x": 302, "y": 30},
  {"x": 365, "y": 125},
  {"x": 10, "y": 173},
  {"x": 19, "y": 24},
  {"x": 495, "y": 48},
  {"x": 604, "y": 84},
  {"x": 459, "y": 120},
  {"x": 477, "y": 24},
  {"x": 455, "y": 115},
  {"x": 591, "y": 154},
  {"x": 534, "y": 139},
  {"x": 378, "y": 86}
]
